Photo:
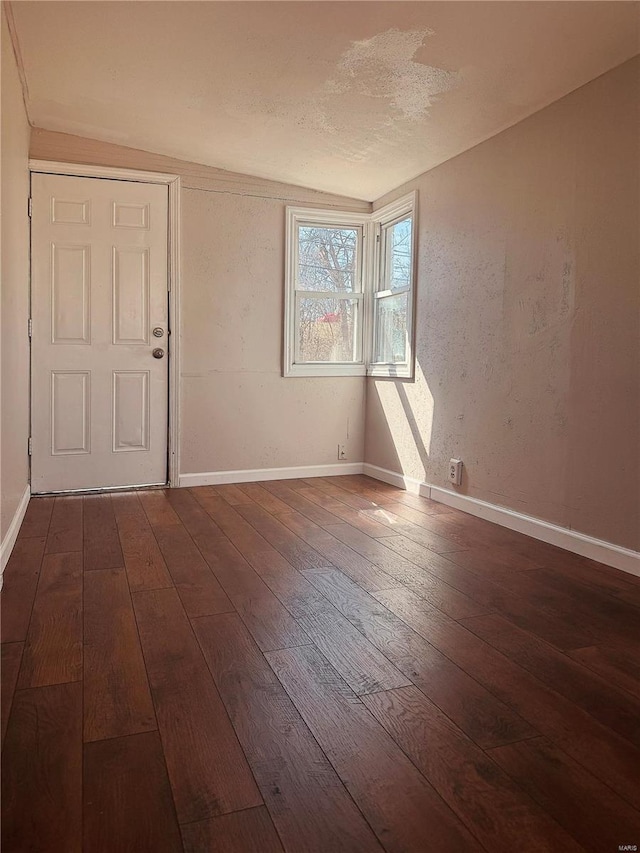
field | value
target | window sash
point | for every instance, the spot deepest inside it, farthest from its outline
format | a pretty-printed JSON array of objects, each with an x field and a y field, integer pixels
[
  {"x": 357, "y": 299},
  {"x": 380, "y": 298},
  {"x": 385, "y": 220},
  {"x": 358, "y": 272}
]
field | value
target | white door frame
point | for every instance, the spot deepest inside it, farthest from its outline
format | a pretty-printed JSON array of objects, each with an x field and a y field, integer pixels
[{"x": 78, "y": 170}]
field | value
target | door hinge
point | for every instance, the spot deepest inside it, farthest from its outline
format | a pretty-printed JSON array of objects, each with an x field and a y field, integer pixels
[
  {"x": 30, "y": 328},
  {"x": 30, "y": 207},
  {"x": 30, "y": 445}
]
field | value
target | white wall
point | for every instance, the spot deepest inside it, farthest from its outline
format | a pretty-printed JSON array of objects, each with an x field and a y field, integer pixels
[
  {"x": 14, "y": 279},
  {"x": 237, "y": 411},
  {"x": 528, "y": 338}
]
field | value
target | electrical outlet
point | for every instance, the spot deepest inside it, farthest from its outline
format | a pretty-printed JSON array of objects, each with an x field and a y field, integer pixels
[
  {"x": 455, "y": 471},
  {"x": 342, "y": 451}
]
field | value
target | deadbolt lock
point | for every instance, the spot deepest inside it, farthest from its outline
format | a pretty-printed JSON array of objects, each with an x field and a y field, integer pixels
[{"x": 158, "y": 332}]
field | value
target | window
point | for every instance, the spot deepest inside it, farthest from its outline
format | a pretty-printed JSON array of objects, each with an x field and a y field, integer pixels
[
  {"x": 348, "y": 274},
  {"x": 392, "y": 324}
]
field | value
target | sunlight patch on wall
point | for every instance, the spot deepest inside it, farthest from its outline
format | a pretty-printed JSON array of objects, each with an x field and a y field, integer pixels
[{"x": 409, "y": 411}]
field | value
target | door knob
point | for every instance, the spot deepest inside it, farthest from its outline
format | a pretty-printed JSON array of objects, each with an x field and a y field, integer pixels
[{"x": 158, "y": 353}]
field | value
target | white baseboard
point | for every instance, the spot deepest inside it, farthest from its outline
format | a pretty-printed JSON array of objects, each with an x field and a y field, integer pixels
[
  {"x": 219, "y": 478},
  {"x": 578, "y": 543},
  {"x": 12, "y": 533},
  {"x": 409, "y": 484}
]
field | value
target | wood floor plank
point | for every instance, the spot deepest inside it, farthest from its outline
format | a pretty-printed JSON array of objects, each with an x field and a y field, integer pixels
[
  {"x": 337, "y": 554},
  {"x": 604, "y": 579},
  {"x": 448, "y": 567},
  {"x": 469, "y": 531},
  {"x": 248, "y": 831},
  {"x": 483, "y": 590},
  {"x": 401, "y": 807},
  {"x": 589, "y": 810},
  {"x": 65, "y": 528},
  {"x": 192, "y": 514},
  {"x": 408, "y": 513},
  {"x": 127, "y": 798},
  {"x": 611, "y": 707},
  {"x": 264, "y": 497},
  {"x": 485, "y": 719},
  {"x": 420, "y": 533},
  {"x": 42, "y": 771},
  {"x": 101, "y": 541},
  {"x": 20, "y": 581},
  {"x": 294, "y": 499},
  {"x": 494, "y": 561},
  {"x": 199, "y": 590},
  {"x": 232, "y": 495},
  {"x": 117, "y": 700},
  {"x": 612, "y": 664},
  {"x": 514, "y": 594},
  {"x": 488, "y": 802},
  {"x": 319, "y": 492},
  {"x": 362, "y": 666},
  {"x": 208, "y": 772},
  {"x": 227, "y": 517},
  {"x": 359, "y": 662},
  {"x": 270, "y": 623},
  {"x": 37, "y": 518},
  {"x": 307, "y": 802},
  {"x": 294, "y": 549},
  {"x": 631, "y": 596},
  {"x": 607, "y": 755},
  {"x": 362, "y": 519},
  {"x": 438, "y": 593},
  {"x": 53, "y": 649},
  {"x": 349, "y": 498},
  {"x": 9, "y": 668},
  {"x": 145, "y": 565},
  {"x": 359, "y": 483},
  {"x": 422, "y": 504},
  {"x": 566, "y": 620},
  {"x": 613, "y": 617},
  {"x": 158, "y": 508}
]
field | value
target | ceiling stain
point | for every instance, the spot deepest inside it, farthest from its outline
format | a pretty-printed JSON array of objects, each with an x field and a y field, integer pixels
[{"x": 384, "y": 67}]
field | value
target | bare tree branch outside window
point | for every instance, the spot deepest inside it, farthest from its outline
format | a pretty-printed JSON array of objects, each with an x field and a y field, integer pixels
[{"x": 327, "y": 265}]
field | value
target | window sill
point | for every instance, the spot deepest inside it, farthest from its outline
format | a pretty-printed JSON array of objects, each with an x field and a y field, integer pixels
[
  {"x": 334, "y": 370},
  {"x": 390, "y": 371}
]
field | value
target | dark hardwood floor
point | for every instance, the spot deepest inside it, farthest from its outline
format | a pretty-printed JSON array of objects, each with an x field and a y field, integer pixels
[{"x": 316, "y": 665}]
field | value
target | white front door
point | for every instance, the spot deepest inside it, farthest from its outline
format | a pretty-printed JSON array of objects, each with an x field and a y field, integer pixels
[{"x": 99, "y": 397}]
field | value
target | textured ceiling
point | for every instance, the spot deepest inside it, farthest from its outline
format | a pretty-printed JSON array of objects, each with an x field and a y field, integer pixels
[{"x": 348, "y": 97}]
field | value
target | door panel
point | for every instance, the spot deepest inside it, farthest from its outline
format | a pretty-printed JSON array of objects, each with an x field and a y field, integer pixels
[{"x": 99, "y": 287}]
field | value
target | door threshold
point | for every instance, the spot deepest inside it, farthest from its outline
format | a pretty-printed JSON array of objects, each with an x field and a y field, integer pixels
[{"x": 101, "y": 490}]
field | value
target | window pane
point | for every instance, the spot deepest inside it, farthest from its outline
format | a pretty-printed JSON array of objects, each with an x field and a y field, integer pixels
[
  {"x": 391, "y": 329},
  {"x": 327, "y": 259},
  {"x": 327, "y": 329},
  {"x": 397, "y": 256}
]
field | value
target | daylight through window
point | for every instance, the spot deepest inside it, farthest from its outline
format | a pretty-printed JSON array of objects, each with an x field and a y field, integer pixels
[{"x": 348, "y": 274}]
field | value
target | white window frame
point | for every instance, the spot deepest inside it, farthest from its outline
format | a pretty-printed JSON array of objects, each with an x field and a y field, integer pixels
[
  {"x": 301, "y": 216},
  {"x": 381, "y": 219},
  {"x": 370, "y": 226}
]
